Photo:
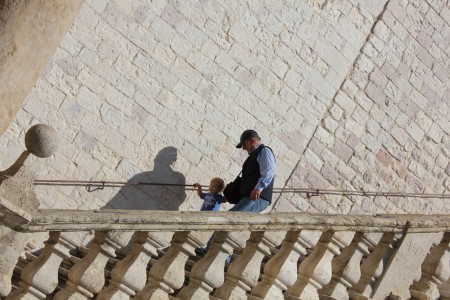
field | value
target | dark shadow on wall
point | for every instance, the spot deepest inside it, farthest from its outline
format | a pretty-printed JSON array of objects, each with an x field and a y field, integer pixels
[{"x": 153, "y": 197}]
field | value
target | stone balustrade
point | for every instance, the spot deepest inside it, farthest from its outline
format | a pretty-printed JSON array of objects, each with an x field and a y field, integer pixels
[{"x": 151, "y": 255}]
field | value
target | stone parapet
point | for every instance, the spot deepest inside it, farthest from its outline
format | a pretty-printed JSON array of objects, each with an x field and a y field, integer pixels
[{"x": 151, "y": 255}]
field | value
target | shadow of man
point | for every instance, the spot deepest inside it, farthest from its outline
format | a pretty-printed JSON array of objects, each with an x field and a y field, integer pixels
[{"x": 138, "y": 195}]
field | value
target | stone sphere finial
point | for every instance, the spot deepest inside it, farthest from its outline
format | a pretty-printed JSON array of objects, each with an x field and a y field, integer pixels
[{"x": 41, "y": 140}]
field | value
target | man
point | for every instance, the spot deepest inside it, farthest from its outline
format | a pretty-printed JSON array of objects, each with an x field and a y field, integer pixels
[
  {"x": 258, "y": 173},
  {"x": 256, "y": 185}
]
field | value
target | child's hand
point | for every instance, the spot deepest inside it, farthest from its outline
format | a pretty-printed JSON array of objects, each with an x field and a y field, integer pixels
[{"x": 199, "y": 189}]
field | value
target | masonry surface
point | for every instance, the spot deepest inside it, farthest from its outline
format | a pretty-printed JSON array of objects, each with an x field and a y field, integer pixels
[{"x": 349, "y": 94}]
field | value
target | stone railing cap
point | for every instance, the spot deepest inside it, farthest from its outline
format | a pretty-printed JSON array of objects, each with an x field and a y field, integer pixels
[{"x": 127, "y": 220}]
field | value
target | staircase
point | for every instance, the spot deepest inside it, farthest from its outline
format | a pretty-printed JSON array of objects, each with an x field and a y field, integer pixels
[{"x": 136, "y": 254}]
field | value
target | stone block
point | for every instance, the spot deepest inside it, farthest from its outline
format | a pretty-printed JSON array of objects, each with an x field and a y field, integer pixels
[
  {"x": 171, "y": 16},
  {"x": 370, "y": 142},
  {"x": 345, "y": 171},
  {"x": 342, "y": 151},
  {"x": 345, "y": 102},
  {"x": 312, "y": 159},
  {"x": 114, "y": 38},
  {"x": 375, "y": 93},
  {"x": 360, "y": 116},
  {"x": 377, "y": 77},
  {"x": 192, "y": 34},
  {"x": 354, "y": 127},
  {"x": 415, "y": 132},
  {"x": 405, "y": 264},
  {"x": 220, "y": 37},
  {"x": 436, "y": 133}
]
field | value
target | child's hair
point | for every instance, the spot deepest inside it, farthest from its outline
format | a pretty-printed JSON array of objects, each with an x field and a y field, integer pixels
[{"x": 220, "y": 183}]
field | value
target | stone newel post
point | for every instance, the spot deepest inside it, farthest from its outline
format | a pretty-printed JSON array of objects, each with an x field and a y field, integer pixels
[{"x": 18, "y": 202}]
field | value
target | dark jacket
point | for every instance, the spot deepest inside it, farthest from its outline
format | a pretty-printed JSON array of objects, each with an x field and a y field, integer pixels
[{"x": 251, "y": 174}]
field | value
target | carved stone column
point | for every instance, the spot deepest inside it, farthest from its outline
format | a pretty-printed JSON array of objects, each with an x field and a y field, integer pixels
[
  {"x": 167, "y": 274},
  {"x": 243, "y": 273},
  {"x": 435, "y": 271},
  {"x": 208, "y": 272},
  {"x": 130, "y": 274},
  {"x": 346, "y": 267},
  {"x": 40, "y": 277},
  {"x": 87, "y": 276},
  {"x": 12, "y": 244},
  {"x": 18, "y": 202},
  {"x": 371, "y": 268},
  {"x": 280, "y": 272},
  {"x": 315, "y": 271}
]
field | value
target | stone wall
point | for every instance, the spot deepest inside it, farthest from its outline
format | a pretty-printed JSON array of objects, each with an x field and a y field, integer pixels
[{"x": 349, "y": 95}]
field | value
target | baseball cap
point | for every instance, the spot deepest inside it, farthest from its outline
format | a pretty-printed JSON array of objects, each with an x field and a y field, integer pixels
[{"x": 249, "y": 133}]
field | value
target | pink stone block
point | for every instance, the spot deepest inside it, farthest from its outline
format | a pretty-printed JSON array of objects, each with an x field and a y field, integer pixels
[
  {"x": 404, "y": 70},
  {"x": 429, "y": 94},
  {"x": 139, "y": 113},
  {"x": 424, "y": 56},
  {"x": 384, "y": 157},
  {"x": 375, "y": 93},
  {"x": 389, "y": 20},
  {"x": 86, "y": 141},
  {"x": 140, "y": 14},
  {"x": 352, "y": 141},
  {"x": 396, "y": 10},
  {"x": 171, "y": 16},
  {"x": 316, "y": 146},
  {"x": 342, "y": 151},
  {"x": 424, "y": 39},
  {"x": 389, "y": 71},
  {"x": 441, "y": 72},
  {"x": 378, "y": 78},
  {"x": 331, "y": 175},
  {"x": 315, "y": 180}
]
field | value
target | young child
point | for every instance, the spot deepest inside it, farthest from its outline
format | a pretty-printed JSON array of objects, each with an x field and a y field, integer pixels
[{"x": 213, "y": 199}]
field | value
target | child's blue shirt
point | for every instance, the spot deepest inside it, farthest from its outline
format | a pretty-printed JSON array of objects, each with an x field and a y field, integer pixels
[{"x": 212, "y": 201}]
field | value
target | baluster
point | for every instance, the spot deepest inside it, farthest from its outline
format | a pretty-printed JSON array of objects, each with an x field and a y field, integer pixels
[
  {"x": 243, "y": 273},
  {"x": 167, "y": 274},
  {"x": 280, "y": 272},
  {"x": 435, "y": 271},
  {"x": 12, "y": 244},
  {"x": 40, "y": 277},
  {"x": 208, "y": 272},
  {"x": 130, "y": 274},
  {"x": 346, "y": 267},
  {"x": 315, "y": 271},
  {"x": 371, "y": 268},
  {"x": 87, "y": 276}
]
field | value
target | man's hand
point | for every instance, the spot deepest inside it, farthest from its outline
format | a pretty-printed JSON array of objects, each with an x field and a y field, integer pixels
[{"x": 255, "y": 194}]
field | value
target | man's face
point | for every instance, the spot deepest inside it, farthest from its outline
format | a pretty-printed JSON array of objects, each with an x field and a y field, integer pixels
[{"x": 248, "y": 145}]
